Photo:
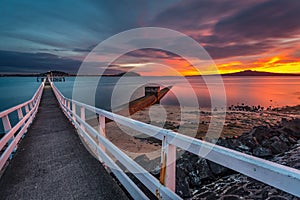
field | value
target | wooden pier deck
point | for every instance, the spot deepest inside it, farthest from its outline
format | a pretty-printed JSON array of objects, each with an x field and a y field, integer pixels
[{"x": 52, "y": 163}]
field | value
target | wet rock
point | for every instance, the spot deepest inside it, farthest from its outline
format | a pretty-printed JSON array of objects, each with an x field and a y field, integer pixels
[
  {"x": 209, "y": 180},
  {"x": 243, "y": 147},
  {"x": 183, "y": 189},
  {"x": 206, "y": 195},
  {"x": 195, "y": 180},
  {"x": 283, "y": 138},
  {"x": 231, "y": 197},
  {"x": 228, "y": 143},
  {"x": 180, "y": 172},
  {"x": 260, "y": 133},
  {"x": 262, "y": 152},
  {"x": 279, "y": 147},
  {"x": 292, "y": 128},
  {"x": 292, "y": 140},
  {"x": 234, "y": 143},
  {"x": 248, "y": 140},
  {"x": 266, "y": 143},
  {"x": 277, "y": 198},
  {"x": 217, "y": 169},
  {"x": 203, "y": 170}
]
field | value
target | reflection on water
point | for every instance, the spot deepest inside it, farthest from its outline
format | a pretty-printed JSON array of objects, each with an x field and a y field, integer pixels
[{"x": 264, "y": 91}]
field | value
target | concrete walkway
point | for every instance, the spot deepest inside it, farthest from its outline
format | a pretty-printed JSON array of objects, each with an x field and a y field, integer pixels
[{"x": 52, "y": 163}]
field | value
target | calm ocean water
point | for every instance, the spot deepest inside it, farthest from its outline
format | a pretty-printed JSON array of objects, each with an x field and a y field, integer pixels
[
  {"x": 16, "y": 90},
  {"x": 264, "y": 91}
]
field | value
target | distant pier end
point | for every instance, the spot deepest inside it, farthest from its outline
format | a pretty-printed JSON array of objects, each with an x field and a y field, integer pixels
[
  {"x": 54, "y": 76},
  {"x": 153, "y": 90}
]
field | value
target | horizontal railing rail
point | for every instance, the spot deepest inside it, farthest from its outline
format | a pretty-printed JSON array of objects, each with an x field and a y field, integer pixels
[
  {"x": 10, "y": 140},
  {"x": 279, "y": 176}
]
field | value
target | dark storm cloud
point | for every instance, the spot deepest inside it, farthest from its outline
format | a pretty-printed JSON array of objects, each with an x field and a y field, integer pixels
[
  {"x": 237, "y": 50},
  {"x": 234, "y": 28},
  {"x": 198, "y": 14},
  {"x": 272, "y": 19},
  {"x": 37, "y": 62},
  {"x": 153, "y": 53}
]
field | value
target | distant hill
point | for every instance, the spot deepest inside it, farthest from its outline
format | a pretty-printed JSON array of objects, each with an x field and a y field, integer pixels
[
  {"x": 256, "y": 73},
  {"x": 123, "y": 74},
  {"x": 55, "y": 73},
  {"x": 60, "y": 73}
]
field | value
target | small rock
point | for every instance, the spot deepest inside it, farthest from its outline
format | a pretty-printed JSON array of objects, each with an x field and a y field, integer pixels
[
  {"x": 180, "y": 172},
  {"x": 262, "y": 152},
  {"x": 250, "y": 142},
  {"x": 279, "y": 147},
  {"x": 244, "y": 148},
  {"x": 206, "y": 195},
  {"x": 274, "y": 139},
  {"x": 203, "y": 169},
  {"x": 216, "y": 168},
  {"x": 195, "y": 180},
  {"x": 277, "y": 198},
  {"x": 266, "y": 143},
  {"x": 260, "y": 133},
  {"x": 231, "y": 197},
  {"x": 183, "y": 189},
  {"x": 292, "y": 140},
  {"x": 283, "y": 138}
]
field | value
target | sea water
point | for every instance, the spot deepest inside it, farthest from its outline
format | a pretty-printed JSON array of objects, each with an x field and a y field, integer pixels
[{"x": 264, "y": 91}]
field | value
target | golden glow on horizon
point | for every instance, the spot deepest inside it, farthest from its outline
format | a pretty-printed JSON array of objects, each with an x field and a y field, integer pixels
[
  {"x": 276, "y": 64},
  {"x": 180, "y": 67}
]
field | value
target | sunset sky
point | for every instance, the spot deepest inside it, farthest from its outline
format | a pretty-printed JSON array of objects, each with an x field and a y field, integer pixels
[{"x": 261, "y": 35}]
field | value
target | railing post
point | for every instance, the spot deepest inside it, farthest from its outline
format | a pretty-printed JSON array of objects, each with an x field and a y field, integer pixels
[
  {"x": 6, "y": 123},
  {"x": 74, "y": 111},
  {"x": 82, "y": 116},
  {"x": 20, "y": 116},
  {"x": 168, "y": 165},
  {"x": 20, "y": 113},
  {"x": 30, "y": 105},
  {"x": 69, "y": 105},
  {"x": 7, "y": 128},
  {"x": 26, "y": 108},
  {"x": 102, "y": 130}
]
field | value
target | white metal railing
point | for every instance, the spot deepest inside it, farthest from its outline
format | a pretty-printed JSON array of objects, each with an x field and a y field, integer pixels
[
  {"x": 9, "y": 141},
  {"x": 279, "y": 176}
]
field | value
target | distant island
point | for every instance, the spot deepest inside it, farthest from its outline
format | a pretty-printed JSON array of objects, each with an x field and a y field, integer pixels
[
  {"x": 119, "y": 74},
  {"x": 60, "y": 73},
  {"x": 257, "y": 73},
  {"x": 250, "y": 73}
]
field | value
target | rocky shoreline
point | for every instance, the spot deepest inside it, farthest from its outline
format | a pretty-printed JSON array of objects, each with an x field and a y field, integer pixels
[
  {"x": 198, "y": 178},
  {"x": 269, "y": 134}
]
